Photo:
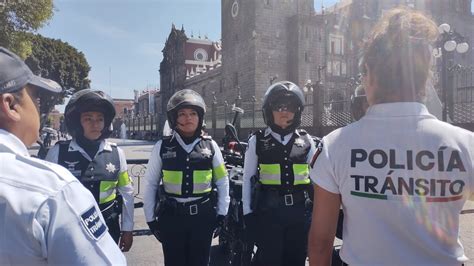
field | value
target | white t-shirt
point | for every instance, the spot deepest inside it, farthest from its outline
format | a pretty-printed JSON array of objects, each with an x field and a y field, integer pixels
[{"x": 403, "y": 177}]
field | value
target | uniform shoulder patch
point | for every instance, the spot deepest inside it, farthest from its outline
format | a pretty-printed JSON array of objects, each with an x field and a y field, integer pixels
[
  {"x": 259, "y": 134},
  {"x": 92, "y": 222}
]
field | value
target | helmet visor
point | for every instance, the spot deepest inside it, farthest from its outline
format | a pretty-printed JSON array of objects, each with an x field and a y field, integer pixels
[
  {"x": 284, "y": 107},
  {"x": 284, "y": 103}
]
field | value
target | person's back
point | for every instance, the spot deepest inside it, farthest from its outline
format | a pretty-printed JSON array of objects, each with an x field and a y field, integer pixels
[
  {"x": 405, "y": 187},
  {"x": 401, "y": 175}
]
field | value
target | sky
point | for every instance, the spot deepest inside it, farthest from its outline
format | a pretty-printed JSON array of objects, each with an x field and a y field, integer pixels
[{"x": 122, "y": 39}]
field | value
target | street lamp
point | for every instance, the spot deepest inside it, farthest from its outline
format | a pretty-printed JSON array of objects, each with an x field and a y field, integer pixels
[{"x": 448, "y": 42}]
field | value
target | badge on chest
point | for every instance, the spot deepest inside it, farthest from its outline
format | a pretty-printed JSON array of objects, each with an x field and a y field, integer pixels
[
  {"x": 206, "y": 153},
  {"x": 299, "y": 142}
]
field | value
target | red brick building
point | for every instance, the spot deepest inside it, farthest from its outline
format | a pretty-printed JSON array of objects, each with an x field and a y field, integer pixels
[{"x": 123, "y": 107}]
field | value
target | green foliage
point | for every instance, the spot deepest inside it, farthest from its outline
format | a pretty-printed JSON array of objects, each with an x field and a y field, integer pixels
[
  {"x": 59, "y": 61},
  {"x": 18, "y": 18}
]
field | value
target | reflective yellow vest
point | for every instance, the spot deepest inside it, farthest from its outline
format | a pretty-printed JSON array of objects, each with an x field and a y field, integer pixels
[
  {"x": 189, "y": 175},
  {"x": 101, "y": 176},
  {"x": 283, "y": 165}
]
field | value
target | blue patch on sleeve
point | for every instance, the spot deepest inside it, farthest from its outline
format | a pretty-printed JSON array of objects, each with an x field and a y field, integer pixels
[{"x": 93, "y": 223}]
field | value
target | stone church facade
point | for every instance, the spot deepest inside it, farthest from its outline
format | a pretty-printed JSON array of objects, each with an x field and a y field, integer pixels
[{"x": 264, "y": 41}]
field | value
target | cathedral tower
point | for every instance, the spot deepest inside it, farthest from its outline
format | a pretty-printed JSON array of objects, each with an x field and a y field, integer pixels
[{"x": 258, "y": 37}]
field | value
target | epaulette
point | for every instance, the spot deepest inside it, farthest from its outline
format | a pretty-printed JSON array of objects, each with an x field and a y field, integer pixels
[
  {"x": 259, "y": 134},
  {"x": 317, "y": 141},
  {"x": 302, "y": 132},
  {"x": 206, "y": 137}
]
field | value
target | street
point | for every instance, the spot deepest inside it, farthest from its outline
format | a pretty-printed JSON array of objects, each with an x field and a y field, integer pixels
[{"x": 146, "y": 250}]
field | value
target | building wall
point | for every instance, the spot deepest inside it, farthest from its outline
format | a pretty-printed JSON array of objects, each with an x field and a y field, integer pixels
[
  {"x": 121, "y": 105},
  {"x": 306, "y": 39},
  {"x": 172, "y": 68},
  {"x": 55, "y": 119},
  {"x": 238, "y": 48},
  {"x": 273, "y": 42}
]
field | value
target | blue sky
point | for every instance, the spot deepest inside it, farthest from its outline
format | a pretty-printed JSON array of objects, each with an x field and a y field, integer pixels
[{"x": 122, "y": 39}]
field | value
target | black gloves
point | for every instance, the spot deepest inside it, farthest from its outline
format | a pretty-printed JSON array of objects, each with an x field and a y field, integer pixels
[
  {"x": 220, "y": 220},
  {"x": 154, "y": 229}
]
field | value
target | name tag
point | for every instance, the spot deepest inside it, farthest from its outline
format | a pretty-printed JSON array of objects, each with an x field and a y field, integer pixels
[
  {"x": 169, "y": 155},
  {"x": 76, "y": 173}
]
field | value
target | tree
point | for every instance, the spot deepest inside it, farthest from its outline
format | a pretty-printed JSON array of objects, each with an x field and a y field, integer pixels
[
  {"x": 18, "y": 19},
  {"x": 58, "y": 61}
]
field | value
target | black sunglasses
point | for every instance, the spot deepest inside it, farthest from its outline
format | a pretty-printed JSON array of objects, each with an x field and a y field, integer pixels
[{"x": 282, "y": 107}]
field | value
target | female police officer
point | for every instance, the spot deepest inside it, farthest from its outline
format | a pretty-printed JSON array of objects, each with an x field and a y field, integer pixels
[
  {"x": 401, "y": 175},
  {"x": 278, "y": 156},
  {"x": 187, "y": 164},
  {"x": 99, "y": 165}
]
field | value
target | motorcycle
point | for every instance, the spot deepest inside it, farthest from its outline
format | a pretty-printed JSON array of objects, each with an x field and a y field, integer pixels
[{"x": 232, "y": 233}]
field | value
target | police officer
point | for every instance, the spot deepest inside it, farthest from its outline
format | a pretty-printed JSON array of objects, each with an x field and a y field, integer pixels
[
  {"x": 188, "y": 164},
  {"x": 401, "y": 175},
  {"x": 46, "y": 215},
  {"x": 277, "y": 159},
  {"x": 97, "y": 163}
]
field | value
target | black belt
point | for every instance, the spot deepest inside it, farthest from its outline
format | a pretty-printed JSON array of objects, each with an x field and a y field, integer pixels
[
  {"x": 285, "y": 189},
  {"x": 108, "y": 209},
  {"x": 188, "y": 208},
  {"x": 288, "y": 199}
]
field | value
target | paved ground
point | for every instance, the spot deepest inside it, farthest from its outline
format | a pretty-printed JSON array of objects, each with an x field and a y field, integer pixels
[{"x": 147, "y": 251}]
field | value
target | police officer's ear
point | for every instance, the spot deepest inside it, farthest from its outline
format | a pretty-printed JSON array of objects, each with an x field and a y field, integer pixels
[{"x": 9, "y": 104}]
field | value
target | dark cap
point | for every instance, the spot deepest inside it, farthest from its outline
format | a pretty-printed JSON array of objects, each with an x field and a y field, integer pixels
[{"x": 15, "y": 75}]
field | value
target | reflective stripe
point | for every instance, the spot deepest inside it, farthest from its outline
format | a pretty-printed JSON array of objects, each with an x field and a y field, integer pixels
[
  {"x": 107, "y": 191},
  {"x": 202, "y": 181},
  {"x": 270, "y": 174},
  {"x": 301, "y": 173},
  {"x": 219, "y": 172},
  {"x": 172, "y": 181},
  {"x": 123, "y": 179},
  {"x": 108, "y": 198}
]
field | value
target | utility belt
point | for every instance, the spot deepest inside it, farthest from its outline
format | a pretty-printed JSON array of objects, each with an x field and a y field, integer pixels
[
  {"x": 110, "y": 210},
  {"x": 190, "y": 208},
  {"x": 275, "y": 197}
]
